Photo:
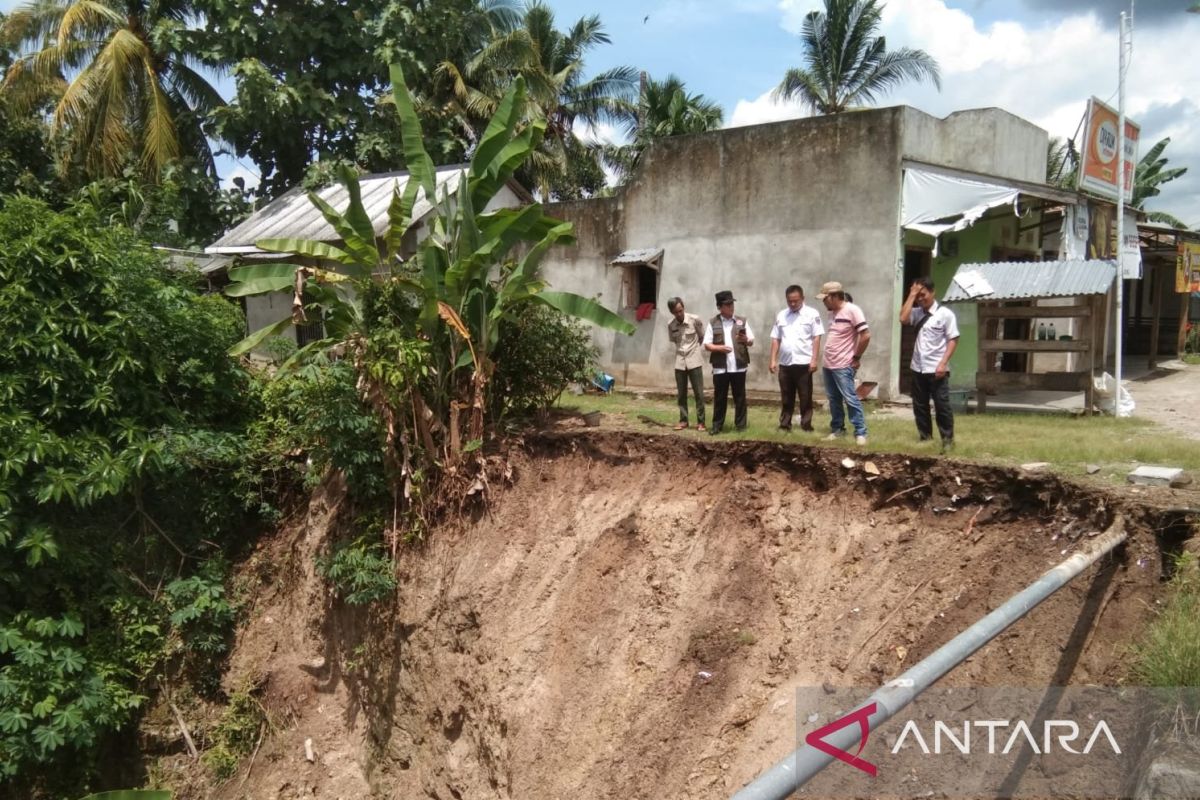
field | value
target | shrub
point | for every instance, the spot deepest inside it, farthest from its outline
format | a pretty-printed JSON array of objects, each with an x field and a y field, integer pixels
[
  {"x": 541, "y": 352},
  {"x": 361, "y": 571},
  {"x": 121, "y": 419}
]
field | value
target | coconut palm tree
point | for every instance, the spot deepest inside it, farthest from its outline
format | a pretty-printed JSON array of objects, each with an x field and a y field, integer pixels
[
  {"x": 119, "y": 78},
  {"x": 1152, "y": 173},
  {"x": 847, "y": 64},
  {"x": 664, "y": 109},
  {"x": 552, "y": 64}
]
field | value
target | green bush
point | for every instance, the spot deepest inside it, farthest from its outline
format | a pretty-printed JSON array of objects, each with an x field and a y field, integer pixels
[
  {"x": 235, "y": 735},
  {"x": 313, "y": 420},
  {"x": 541, "y": 352},
  {"x": 121, "y": 424},
  {"x": 361, "y": 571}
]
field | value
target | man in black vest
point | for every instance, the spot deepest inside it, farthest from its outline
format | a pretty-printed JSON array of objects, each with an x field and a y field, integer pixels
[{"x": 728, "y": 339}]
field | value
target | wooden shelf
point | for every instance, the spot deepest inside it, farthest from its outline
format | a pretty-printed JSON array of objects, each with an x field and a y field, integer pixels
[
  {"x": 1033, "y": 312},
  {"x": 1025, "y": 346}
]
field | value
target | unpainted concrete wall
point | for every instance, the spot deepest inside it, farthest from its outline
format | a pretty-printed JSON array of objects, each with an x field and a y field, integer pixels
[
  {"x": 754, "y": 209},
  {"x": 990, "y": 141}
]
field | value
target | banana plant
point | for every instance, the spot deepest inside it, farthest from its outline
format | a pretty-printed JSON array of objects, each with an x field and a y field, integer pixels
[{"x": 472, "y": 270}]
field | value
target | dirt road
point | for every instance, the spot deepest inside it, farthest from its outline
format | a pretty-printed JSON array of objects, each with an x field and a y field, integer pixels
[{"x": 1169, "y": 398}]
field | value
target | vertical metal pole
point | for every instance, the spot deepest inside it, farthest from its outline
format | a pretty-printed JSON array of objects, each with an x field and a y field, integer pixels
[{"x": 1120, "y": 214}]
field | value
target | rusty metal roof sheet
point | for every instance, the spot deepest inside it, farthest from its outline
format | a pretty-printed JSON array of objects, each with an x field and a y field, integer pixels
[
  {"x": 292, "y": 215},
  {"x": 1025, "y": 280},
  {"x": 646, "y": 255}
]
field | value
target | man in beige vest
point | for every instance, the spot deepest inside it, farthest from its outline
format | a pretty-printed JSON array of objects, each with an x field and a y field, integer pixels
[{"x": 686, "y": 332}]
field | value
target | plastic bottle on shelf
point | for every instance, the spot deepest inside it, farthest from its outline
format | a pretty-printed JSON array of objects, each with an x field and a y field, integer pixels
[
  {"x": 1051, "y": 334},
  {"x": 1041, "y": 335}
]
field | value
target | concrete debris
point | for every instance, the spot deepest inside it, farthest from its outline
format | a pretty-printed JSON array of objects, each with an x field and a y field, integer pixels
[
  {"x": 1154, "y": 476},
  {"x": 1035, "y": 466}
]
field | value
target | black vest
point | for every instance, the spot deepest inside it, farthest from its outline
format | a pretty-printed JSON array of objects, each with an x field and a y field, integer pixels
[{"x": 740, "y": 351}]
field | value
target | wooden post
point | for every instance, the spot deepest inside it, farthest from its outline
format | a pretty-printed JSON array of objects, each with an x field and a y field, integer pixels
[
  {"x": 985, "y": 358},
  {"x": 1089, "y": 391},
  {"x": 1184, "y": 306},
  {"x": 1156, "y": 286}
]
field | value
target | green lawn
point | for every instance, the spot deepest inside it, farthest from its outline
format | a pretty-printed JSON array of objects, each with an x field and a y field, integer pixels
[{"x": 1068, "y": 443}]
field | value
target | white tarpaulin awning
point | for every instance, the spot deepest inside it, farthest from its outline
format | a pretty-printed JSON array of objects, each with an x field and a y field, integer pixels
[{"x": 934, "y": 202}]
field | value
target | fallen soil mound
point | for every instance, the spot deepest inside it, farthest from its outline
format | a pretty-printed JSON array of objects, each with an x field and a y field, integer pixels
[{"x": 630, "y": 618}]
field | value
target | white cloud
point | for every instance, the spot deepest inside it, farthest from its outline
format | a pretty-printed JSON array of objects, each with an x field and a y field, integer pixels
[
  {"x": 599, "y": 133},
  {"x": 762, "y": 109}
]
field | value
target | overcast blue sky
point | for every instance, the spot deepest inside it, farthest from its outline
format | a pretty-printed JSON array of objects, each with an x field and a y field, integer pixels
[{"x": 1040, "y": 59}]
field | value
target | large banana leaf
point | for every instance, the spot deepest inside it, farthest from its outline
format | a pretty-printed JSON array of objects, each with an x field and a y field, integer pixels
[
  {"x": 255, "y": 339},
  {"x": 356, "y": 214},
  {"x": 514, "y": 153},
  {"x": 420, "y": 165},
  {"x": 254, "y": 286},
  {"x": 498, "y": 238},
  {"x": 306, "y": 247},
  {"x": 250, "y": 272},
  {"x": 527, "y": 268},
  {"x": 586, "y": 309},
  {"x": 363, "y": 250},
  {"x": 495, "y": 139}
]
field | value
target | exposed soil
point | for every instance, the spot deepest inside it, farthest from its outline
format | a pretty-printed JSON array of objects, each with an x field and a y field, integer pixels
[{"x": 632, "y": 615}]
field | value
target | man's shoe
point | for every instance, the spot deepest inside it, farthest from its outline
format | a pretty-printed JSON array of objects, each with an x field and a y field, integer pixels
[
  {"x": 860, "y": 440},
  {"x": 700, "y": 426},
  {"x": 714, "y": 430},
  {"x": 947, "y": 445},
  {"x": 785, "y": 428},
  {"x": 833, "y": 437}
]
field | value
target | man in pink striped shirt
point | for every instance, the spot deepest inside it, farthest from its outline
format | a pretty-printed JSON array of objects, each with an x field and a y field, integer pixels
[{"x": 846, "y": 339}]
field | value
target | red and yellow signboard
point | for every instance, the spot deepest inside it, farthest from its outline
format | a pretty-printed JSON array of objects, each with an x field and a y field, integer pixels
[
  {"x": 1187, "y": 267},
  {"x": 1098, "y": 172}
]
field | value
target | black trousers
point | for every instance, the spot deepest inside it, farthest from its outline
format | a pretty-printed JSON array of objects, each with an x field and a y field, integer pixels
[
  {"x": 722, "y": 383},
  {"x": 927, "y": 385},
  {"x": 796, "y": 379},
  {"x": 696, "y": 377}
]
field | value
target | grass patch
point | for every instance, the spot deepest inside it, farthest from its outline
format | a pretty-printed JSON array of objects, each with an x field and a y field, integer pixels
[
  {"x": 1169, "y": 654},
  {"x": 1067, "y": 443},
  {"x": 1191, "y": 358}
]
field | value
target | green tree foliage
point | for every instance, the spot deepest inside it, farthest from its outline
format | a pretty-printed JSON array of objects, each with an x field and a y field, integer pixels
[
  {"x": 551, "y": 63},
  {"x": 121, "y": 76},
  {"x": 310, "y": 79},
  {"x": 664, "y": 109},
  {"x": 423, "y": 328},
  {"x": 117, "y": 403},
  {"x": 1152, "y": 172},
  {"x": 846, "y": 64},
  {"x": 1062, "y": 163}
]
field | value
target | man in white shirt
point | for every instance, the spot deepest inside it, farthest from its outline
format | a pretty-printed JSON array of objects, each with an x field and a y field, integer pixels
[
  {"x": 795, "y": 356},
  {"x": 937, "y": 336},
  {"x": 728, "y": 339}
]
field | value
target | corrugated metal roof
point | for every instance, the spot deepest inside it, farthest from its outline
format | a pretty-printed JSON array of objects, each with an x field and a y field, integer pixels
[
  {"x": 293, "y": 216},
  {"x": 644, "y": 256},
  {"x": 1025, "y": 280}
]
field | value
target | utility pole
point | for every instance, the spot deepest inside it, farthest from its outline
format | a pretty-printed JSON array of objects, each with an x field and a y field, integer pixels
[{"x": 1121, "y": 205}]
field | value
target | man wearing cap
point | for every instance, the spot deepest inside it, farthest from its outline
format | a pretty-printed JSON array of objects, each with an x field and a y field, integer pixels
[
  {"x": 728, "y": 339},
  {"x": 795, "y": 356},
  {"x": 846, "y": 339},
  {"x": 686, "y": 332}
]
